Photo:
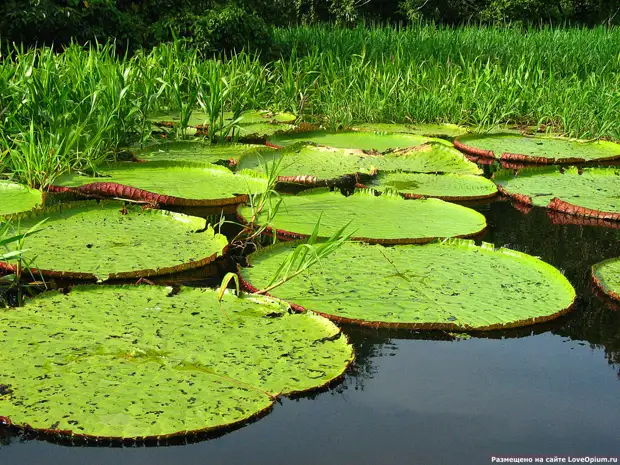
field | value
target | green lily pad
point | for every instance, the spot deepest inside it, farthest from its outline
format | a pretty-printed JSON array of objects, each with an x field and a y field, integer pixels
[
  {"x": 166, "y": 183},
  {"x": 193, "y": 151},
  {"x": 449, "y": 285},
  {"x": 308, "y": 164},
  {"x": 261, "y": 131},
  {"x": 199, "y": 118},
  {"x": 121, "y": 362},
  {"x": 317, "y": 165},
  {"x": 426, "y": 158},
  {"x": 606, "y": 275},
  {"x": 86, "y": 240},
  {"x": 593, "y": 192},
  {"x": 441, "y": 186},
  {"x": 537, "y": 149},
  {"x": 387, "y": 219},
  {"x": 448, "y": 131},
  {"x": 359, "y": 140},
  {"x": 15, "y": 198}
]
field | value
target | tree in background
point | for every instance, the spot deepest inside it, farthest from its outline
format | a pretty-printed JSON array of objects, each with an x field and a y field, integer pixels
[{"x": 228, "y": 25}]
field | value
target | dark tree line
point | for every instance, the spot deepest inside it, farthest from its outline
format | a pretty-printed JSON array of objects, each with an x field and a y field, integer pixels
[{"x": 219, "y": 25}]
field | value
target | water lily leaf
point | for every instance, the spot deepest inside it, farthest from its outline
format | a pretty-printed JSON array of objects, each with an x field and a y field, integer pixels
[
  {"x": 537, "y": 149},
  {"x": 447, "y": 131},
  {"x": 200, "y": 118},
  {"x": 360, "y": 140},
  {"x": 593, "y": 192},
  {"x": 450, "y": 285},
  {"x": 309, "y": 164},
  {"x": 15, "y": 198},
  {"x": 430, "y": 157},
  {"x": 387, "y": 219},
  {"x": 261, "y": 131},
  {"x": 166, "y": 183},
  {"x": 120, "y": 362},
  {"x": 441, "y": 186},
  {"x": 193, "y": 151},
  {"x": 606, "y": 275},
  {"x": 87, "y": 240}
]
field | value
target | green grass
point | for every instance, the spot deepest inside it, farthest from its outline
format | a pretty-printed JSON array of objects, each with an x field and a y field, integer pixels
[{"x": 70, "y": 111}]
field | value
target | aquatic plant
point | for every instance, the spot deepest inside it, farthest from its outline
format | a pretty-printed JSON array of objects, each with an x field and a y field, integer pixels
[
  {"x": 86, "y": 240},
  {"x": 589, "y": 192},
  {"x": 606, "y": 276},
  {"x": 537, "y": 149},
  {"x": 120, "y": 362},
  {"x": 449, "y": 285},
  {"x": 165, "y": 183},
  {"x": 449, "y": 186},
  {"x": 387, "y": 219},
  {"x": 15, "y": 198}
]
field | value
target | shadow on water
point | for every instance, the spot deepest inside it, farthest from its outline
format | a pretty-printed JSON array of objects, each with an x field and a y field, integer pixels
[{"x": 564, "y": 241}]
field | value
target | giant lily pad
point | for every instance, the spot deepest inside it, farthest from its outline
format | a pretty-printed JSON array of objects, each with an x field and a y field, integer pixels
[
  {"x": 452, "y": 285},
  {"x": 537, "y": 149},
  {"x": 607, "y": 277},
  {"x": 166, "y": 183},
  {"x": 315, "y": 165},
  {"x": 251, "y": 117},
  {"x": 360, "y": 140},
  {"x": 441, "y": 186},
  {"x": 593, "y": 192},
  {"x": 446, "y": 131},
  {"x": 121, "y": 362},
  {"x": 15, "y": 198},
  {"x": 430, "y": 157},
  {"x": 308, "y": 164},
  {"x": 87, "y": 240},
  {"x": 193, "y": 151},
  {"x": 387, "y": 219}
]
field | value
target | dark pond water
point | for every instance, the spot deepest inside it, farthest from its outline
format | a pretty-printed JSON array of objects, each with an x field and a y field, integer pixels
[{"x": 420, "y": 398}]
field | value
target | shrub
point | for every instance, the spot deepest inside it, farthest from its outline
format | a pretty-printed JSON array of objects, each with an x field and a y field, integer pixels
[{"x": 230, "y": 29}]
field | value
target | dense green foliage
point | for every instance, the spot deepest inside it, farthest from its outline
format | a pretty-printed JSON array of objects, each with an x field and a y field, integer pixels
[
  {"x": 72, "y": 110},
  {"x": 226, "y": 25}
]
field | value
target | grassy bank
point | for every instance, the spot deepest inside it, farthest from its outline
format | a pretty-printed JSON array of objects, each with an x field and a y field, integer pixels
[{"x": 72, "y": 110}]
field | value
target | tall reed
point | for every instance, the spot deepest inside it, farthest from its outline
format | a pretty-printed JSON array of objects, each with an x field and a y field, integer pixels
[{"x": 73, "y": 110}]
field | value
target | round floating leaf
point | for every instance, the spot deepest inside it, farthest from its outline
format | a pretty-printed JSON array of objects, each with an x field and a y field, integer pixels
[
  {"x": 190, "y": 151},
  {"x": 15, "y": 198},
  {"x": 442, "y": 186},
  {"x": 166, "y": 183},
  {"x": 308, "y": 164},
  {"x": 261, "y": 131},
  {"x": 426, "y": 158},
  {"x": 87, "y": 240},
  {"x": 537, "y": 149},
  {"x": 388, "y": 219},
  {"x": 589, "y": 192},
  {"x": 607, "y": 277},
  {"x": 453, "y": 285},
  {"x": 448, "y": 131},
  {"x": 360, "y": 140},
  {"x": 126, "y": 362},
  {"x": 200, "y": 118}
]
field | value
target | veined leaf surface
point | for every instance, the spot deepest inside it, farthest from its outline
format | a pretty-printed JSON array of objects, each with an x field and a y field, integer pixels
[
  {"x": 87, "y": 240},
  {"x": 450, "y": 285},
  {"x": 15, "y": 198},
  {"x": 387, "y": 219},
  {"x": 139, "y": 362}
]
